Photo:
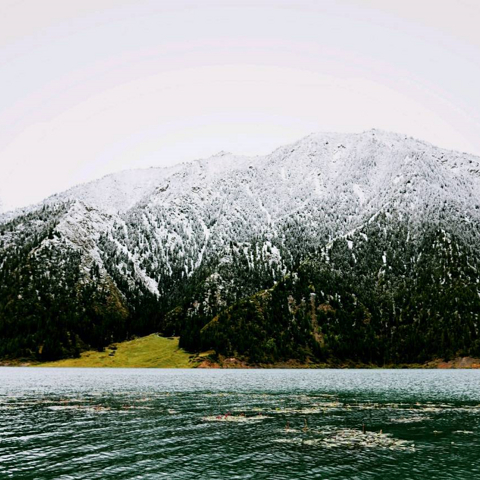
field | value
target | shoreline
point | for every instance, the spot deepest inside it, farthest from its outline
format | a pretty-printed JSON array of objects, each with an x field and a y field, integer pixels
[
  {"x": 460, "y": 363},
  {"x": 155, "y": 351}
]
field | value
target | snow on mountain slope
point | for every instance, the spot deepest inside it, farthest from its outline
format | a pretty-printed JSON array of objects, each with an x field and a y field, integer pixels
[
  {"x": 366, "y": 167},
  {"x": 116, "y": 192},
  {"x": 319, "y": 178},
  {"x": 167, "y": 220}
]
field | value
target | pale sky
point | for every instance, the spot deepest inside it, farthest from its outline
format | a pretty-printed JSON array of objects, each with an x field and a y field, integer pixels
[{"x": 90, "y": 87}]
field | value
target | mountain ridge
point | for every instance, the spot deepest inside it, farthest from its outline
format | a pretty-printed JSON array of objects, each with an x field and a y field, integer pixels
[
  {"x": 171, "y": 249},
  {"x": 164, "y": 171}
]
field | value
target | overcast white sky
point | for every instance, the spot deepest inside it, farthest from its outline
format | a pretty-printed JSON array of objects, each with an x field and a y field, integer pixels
[{"x": 90, "y": 87}]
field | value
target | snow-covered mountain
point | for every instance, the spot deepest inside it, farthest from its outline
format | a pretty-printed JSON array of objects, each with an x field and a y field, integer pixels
[{"x": 204, "y": 235}]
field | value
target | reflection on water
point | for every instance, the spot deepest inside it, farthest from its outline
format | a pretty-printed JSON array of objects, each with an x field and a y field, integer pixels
[{"x": 239, "y": 424}]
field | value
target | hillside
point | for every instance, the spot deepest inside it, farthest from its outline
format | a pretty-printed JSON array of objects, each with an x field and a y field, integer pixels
[{"x": 359, "y": 247}]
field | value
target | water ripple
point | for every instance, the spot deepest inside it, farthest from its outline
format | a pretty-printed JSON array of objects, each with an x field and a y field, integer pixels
[{"x": 179, "y": 424}]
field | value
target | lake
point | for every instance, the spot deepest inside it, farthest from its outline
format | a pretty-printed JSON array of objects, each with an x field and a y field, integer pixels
[{"x": 239, "y": 424}]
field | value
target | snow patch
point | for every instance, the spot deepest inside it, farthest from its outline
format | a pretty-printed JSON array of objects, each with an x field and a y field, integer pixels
[{"x": 359, "y": 192}]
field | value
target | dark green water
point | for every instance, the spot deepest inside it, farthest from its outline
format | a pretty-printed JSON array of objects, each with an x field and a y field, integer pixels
[{"x": 279, "y": 424}]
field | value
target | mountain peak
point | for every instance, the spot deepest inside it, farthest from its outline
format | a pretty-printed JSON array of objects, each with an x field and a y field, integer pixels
[{"x": 221, "y": 153}]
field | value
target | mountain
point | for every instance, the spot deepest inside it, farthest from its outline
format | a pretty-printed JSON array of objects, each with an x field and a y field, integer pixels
[{"x": 360, "y": 247}]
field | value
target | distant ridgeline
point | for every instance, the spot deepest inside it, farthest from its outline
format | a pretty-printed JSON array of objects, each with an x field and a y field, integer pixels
[{"x": 339, "y": 247}]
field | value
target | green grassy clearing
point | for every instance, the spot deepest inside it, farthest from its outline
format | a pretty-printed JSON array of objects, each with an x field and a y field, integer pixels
[{"x": 145, "y": 352}]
